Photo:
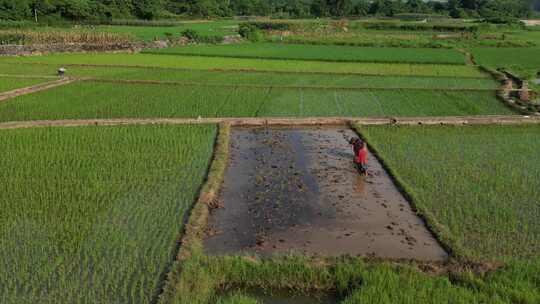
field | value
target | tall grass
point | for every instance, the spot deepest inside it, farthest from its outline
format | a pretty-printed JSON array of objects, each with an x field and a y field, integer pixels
[{"x": 92, "y": 215}]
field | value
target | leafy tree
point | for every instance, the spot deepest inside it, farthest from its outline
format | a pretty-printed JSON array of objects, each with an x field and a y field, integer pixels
[
  {"x": 361, "y": 8},
  {"x": 319, "y": 8},
  {"x": 13, "y": 9},
  {"x": 147, "y": 9}
]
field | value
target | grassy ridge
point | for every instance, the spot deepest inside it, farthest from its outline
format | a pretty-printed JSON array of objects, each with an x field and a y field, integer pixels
[
  {"x": 93, "y": 214},
  {"x": 320, "y": 52},
  {"x": 9, "y": 83},
  {"x": 483, "y": 182},
  {"x": 110, "y": 100},
  {"x": 216, "y": 63}
]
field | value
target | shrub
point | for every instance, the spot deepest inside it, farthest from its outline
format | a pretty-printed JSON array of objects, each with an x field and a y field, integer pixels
[
  {"x": 250, "y": 32},
  {"x": 194, "y": 36},
  {"x": 191, "y": 34}
]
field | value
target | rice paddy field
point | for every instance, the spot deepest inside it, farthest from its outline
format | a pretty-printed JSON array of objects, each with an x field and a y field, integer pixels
[
  {"x": 109, "y": 100},
  {"x": 522, "y": 61},
  {"x": 94, "y": 213},
  {"x": 321, "y": 52},
  {"x": 483, "y": 182},
  {"x": 120, "y": 213},
  {"x": 13, "y": 83},
  {"x": 246, "y": 64},
  {"x": 255, "y": 78}
]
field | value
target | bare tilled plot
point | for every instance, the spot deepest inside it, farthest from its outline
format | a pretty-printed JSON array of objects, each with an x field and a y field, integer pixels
[{"x": 297, "y": 190}]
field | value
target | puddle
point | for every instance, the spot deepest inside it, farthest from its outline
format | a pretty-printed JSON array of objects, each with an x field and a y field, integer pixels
[{"x": 297, "y": 190}]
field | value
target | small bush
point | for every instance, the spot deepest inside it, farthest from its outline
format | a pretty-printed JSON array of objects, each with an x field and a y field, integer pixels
[
  {"x": 250, "y": 32},
  {"x": 194, "y": 36},
  {"x": 191, "y": 34}
]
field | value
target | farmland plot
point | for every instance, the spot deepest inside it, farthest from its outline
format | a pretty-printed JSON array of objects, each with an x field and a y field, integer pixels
[
  {"x": 320, "y": 52},
  {"x": 110, "y": 100},
  {"x": 248, "y": 64},
  {"x": 480, "y": 183},
  {"x": 12, "y": 83},
  {"x": 93, "y": 214},
  {"x": 256, "y": 78}
]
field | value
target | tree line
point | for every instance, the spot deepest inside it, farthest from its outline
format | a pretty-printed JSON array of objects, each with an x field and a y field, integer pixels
[{"x": 81, "y": 10}]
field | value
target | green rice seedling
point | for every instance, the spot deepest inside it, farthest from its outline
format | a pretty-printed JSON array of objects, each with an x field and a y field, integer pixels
[
  {"x": 523, "y": 61},
  {"x": 12, "y": 83},
  {"x": 112, "y": 100},
  {"x": 255, "y": 78},
  {"x": 93, "y": 214},
  {"x": 479, "y": 183},
  {"x": 320, "y": 52},
  {"x": 245, "y": 64}
]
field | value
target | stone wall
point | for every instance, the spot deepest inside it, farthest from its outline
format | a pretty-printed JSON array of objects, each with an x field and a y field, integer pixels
[{"x": 37, "y": 49}]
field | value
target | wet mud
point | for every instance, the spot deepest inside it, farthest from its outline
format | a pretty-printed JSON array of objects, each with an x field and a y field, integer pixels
[{"x": 297, "y": 190}]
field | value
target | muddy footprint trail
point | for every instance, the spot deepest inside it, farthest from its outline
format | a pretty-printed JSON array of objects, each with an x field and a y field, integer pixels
[{"x": 296, "y": 190}]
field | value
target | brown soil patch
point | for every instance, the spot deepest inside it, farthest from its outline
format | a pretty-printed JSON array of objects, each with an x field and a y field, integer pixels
[{"x": 297, "y": 190}]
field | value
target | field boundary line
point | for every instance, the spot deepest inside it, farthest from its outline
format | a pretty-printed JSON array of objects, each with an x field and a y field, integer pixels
[
  {"x": 24, "y": 76},
  {"x": 286, "y": 121},
  {"x": 194, "y": 230},
  {"x": 291, "y": 87},
  {"x": 244, "y": 70},
  {"x": 36, "y": 88}
]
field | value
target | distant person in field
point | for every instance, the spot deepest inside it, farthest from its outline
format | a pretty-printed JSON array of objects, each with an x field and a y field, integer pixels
[{"x": 360, "y": 155}]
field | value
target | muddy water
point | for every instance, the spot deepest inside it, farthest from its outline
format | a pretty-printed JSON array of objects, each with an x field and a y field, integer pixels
[{"x": 297, "y": 190}]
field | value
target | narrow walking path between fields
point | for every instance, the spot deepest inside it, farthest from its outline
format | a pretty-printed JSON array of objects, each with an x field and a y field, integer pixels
[
  {"x": 296, "y": 189},
  {"x": 36, "y": 88},
  {"x": 262, "y": 121}
]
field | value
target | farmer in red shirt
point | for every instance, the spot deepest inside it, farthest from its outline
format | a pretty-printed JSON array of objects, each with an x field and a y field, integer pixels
[{"x": 360, "y": 155}]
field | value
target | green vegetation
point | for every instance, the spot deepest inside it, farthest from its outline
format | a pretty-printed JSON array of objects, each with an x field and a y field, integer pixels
[
  {"x": 352, "y": 279},
  {"x": 483, "y": 183},
  {"x": 148, "y": 33},
  {"x": 197, "y": 278},
  {"x": 243, "y": 64},
  {"x": 320, "y": 52},
  {"x": 109, "y": 100},
  {"x": 523, "y": 61},
  {"x": 103, "y": 11},
  {"x": 256, "y": 78},
  {"x": 12, "y": 83},
  {"x": 93, "y": 214}
]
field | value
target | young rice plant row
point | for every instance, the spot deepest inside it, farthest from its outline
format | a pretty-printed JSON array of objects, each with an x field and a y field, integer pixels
[{"x": 93, "y": 214}]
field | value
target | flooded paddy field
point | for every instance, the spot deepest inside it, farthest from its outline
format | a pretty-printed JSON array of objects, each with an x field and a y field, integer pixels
[{"x": 296, "y": 190}]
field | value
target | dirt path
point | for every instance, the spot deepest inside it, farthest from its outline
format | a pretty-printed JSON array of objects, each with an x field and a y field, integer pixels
[
  {"x": 306, "y": 121},
  {"x": 40, "y": 87},
  {"x": 297, "y": 190}
]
